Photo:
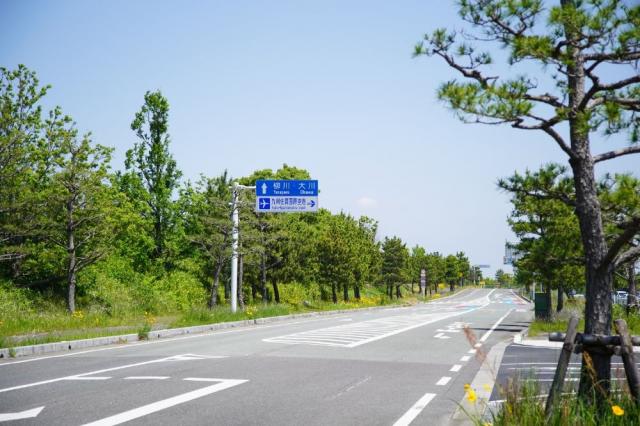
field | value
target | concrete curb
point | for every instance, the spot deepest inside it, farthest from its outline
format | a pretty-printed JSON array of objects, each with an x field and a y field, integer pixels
[
  {"x": 485, "y": 376},
  {"x": 69, "y": 345}
]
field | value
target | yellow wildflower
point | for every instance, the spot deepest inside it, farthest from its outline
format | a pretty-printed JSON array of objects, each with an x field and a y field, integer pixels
[
  {"x": 467, "y": 386},
  {"x": 471, "y": 395},
  {"x": 617, "y": 410}
]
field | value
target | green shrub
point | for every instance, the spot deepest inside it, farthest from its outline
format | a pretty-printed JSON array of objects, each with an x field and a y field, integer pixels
[
  {"x": 296, "y": 294},
  {"x": 180, "y": 291}
]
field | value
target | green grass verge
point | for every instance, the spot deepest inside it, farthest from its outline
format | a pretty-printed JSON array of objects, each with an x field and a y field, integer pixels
[
  {"x": 560, "y": 322},
  {"x": 524, "y": 405},
  {"x": 57, "y": 325}
]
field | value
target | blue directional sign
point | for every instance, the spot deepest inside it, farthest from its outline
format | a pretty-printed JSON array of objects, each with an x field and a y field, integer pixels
[
  {"x": 296, "y": 188},
  {"x": 286, "y": 196}
]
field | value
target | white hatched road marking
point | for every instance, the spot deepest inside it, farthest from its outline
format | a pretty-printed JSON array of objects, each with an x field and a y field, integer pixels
[
  {"x": 355, "y": 334},
  {"x": 455, "y": 368}
]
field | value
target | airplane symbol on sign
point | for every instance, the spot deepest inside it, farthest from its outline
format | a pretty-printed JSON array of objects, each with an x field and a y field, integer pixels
[{"x": 265, "y": 203}]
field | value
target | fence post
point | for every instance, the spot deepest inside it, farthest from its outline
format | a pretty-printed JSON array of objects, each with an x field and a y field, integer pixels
[
  {"x": 563, "y": 364},
  {"x": 626, "y": 351}
]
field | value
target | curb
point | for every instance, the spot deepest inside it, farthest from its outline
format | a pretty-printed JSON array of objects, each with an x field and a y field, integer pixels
[
  {"x": 68, "y": 345},
  {"x": 484, "y": 376}
]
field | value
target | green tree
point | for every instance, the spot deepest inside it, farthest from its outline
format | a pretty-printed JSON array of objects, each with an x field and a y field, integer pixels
[
  {"x": 80, "y": 211},
  {"x": 395, "y": 257},
  {"x": 575, "y": 41},
  {"x": 21, "y": 136},
  {"x": 155, "y": 169},
  {"x": 208, "y": 225}
]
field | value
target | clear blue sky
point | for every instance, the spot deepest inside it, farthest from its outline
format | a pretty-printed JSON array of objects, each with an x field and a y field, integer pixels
[{"x": 329, "y": 86}]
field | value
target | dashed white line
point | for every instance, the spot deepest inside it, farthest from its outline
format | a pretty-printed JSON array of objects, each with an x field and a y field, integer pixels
[
  {"x": 465, "y": 358},
  {"x": 455, "y": 368},
  {"x": 416, "y": 409},
  {"x": 486, "y": 335},
  {"x": 471, "y": 351},
  {"x": 443, "y": 381}
]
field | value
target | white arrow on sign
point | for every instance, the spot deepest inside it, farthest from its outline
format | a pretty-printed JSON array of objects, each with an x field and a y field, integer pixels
[{"x": 5, "y": 417}]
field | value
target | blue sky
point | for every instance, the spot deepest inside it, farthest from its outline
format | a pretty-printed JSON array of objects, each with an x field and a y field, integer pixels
[{"x": 327, "y": 86}]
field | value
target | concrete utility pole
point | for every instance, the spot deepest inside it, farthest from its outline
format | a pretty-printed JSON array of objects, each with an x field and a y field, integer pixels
[{"x": 235, "y": 218}]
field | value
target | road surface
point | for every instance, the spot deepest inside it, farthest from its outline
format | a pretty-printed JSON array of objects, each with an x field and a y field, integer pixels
[{"x": 395, "y": 366}]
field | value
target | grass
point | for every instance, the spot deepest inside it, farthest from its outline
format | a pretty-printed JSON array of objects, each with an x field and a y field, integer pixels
[
  {"x": 55, "y": 324},
  {"x": 560, "y": 321}
]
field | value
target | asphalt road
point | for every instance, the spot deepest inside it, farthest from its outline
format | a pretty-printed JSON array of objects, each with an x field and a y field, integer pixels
[{"x": 394, "y": 366}]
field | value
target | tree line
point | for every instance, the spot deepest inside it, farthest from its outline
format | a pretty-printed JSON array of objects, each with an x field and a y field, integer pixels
[{"x": 72, "y": 227}]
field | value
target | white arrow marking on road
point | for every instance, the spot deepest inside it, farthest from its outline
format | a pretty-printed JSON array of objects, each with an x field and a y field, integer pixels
[
  {"x": 166, "y": 403},
  {"x": 28, "y": 414}
]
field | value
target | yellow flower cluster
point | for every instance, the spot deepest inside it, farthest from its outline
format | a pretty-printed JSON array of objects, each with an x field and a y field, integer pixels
[
  {"x": 78, "y": 314},
  {"x": 617, "y": 410},
  {"x": 251, "y": 311},
  {"x": 149, "y": 318},
  {"x": 471, "y": 394}
]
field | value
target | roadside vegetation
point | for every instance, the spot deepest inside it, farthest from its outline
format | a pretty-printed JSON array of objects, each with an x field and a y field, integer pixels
[
  {"x": 88, "y": 247},
  {"x": 570, "y": 74}
]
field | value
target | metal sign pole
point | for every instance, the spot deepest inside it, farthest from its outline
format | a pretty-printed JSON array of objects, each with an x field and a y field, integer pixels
[{"x": 234, "y": 249}]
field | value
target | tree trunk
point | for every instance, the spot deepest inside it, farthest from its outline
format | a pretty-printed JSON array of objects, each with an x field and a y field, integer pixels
[
  {"x": 599, "y": 276},
  {"x": 213, "y": 299},
  {"x": 412, "y": 287},
  {"x": 398, "y": 292},
  {"x": 276, "y": 292},
  {"x": 560, "y": 304},
  {"x": 323, "y": 293},
  {"x": 345, "y": 292},
  {"x": 240, "y": 280},
  {"x": 549, "y": 300},
  {"x": 334, "y": 296},
  {"x": 356, "y": 292},
  {"x": 263, "y": 278},
  {"x": 72, "y": 260},
  {"x": 631, "y": 280}
]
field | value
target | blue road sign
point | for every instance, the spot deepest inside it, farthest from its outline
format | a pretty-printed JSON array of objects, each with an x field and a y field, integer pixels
[
  {"x": 286, "y": 196},
  {"x": 281, "y": 188}
]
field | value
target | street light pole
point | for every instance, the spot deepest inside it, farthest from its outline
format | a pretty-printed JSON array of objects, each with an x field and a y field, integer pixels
[{"x": 235, "y": 218}]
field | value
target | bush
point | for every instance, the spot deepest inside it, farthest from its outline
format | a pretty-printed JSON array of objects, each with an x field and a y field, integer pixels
[
  {"x": 15, "y": 301},
  {"x": 296, "y": 294},
  {"x": 179, "y": 291}
]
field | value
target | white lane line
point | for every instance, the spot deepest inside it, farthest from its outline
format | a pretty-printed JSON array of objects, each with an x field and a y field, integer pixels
[
  {"x": 465, "y": 358},
  {"x": 477, "y": 345},
  {"x": 90, "y": 373},
  {"x": 416, "y": 409},
  {"x": 471, "y": 351},
  {"x": 27, "y": 414},
  {"x": 147, "y": 378},
  {"x": 165, "y": 403},
  {"x": 88, "y": 378},
  {"x": 486, "y": 335},
  {"x": 439, "y": 335},
  {"x": 455, "y": 368},
  {"x": 443, "y": 381}
]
